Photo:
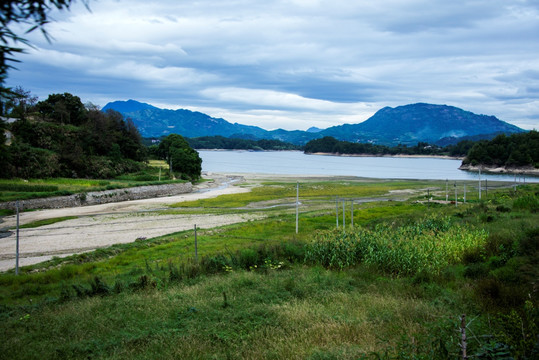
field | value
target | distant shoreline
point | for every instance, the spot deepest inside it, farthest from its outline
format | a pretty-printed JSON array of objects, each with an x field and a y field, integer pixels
[
  {"x": 348, "y": 155},
  {"x": 388, "y": 155},
  {"x": 501, "y": 170}
]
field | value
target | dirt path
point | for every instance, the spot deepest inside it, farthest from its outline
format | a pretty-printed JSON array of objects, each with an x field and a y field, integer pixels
[{"x": 108, "y": 224}]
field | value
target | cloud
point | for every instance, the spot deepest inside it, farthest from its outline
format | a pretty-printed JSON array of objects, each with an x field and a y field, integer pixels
[{"x": 294, "y": 63}]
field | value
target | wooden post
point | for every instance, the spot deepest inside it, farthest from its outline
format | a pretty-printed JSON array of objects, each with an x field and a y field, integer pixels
[
  {"x": 486, "y": 188},
  {"x": 446, "y": 190},
  {"x": 463, "y": 340},
  {"x": 465, "y": 193},
  {"x": 17, "y": 246}
]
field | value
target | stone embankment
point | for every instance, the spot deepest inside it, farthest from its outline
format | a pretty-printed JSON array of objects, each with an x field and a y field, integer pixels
[{"x": 101, "y": 197}]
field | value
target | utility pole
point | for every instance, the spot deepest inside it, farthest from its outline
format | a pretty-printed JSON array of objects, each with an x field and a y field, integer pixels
[{"x": 17, "y": 247}]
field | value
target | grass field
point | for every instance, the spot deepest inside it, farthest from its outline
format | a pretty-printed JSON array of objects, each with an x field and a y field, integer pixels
[
  {"x": 22, "y": 189},
  {"x": 391, "y": 287}
]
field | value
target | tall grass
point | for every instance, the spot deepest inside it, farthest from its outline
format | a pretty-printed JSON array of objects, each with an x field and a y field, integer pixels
[{"x": 427, "y": 246}]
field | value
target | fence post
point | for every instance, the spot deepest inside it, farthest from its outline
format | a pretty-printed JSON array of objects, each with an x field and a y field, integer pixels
[
  {"x": 465, "y": 193},
  {"x": 297, "y": 207},
  {"x": 479, "y": 183},
  {"x": 352, "y": 214},
  {"x": 196, "y": 244},
  {"x": 337, "y": 210},
  {"x": 456, "y": 199},
  {"x": 446, "y": 189},
  {"x": 17, "y": 246},
  {"x": 343, "y": 213}
]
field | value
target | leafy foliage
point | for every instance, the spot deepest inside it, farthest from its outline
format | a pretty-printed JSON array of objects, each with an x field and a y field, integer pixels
[
  {"x": 221, "y": 142},
  {"x": 15, "y": 12},
  {"x": 514, "y": 150},
  {"x": 427, "y": 246},
  {"x": 60, "y": 137},
  {"x": 331, "y": 145},
  {"x": 180, "y": 156}
]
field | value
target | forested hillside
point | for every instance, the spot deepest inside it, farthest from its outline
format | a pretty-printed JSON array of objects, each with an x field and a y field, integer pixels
[
  {"x": 221, "y": 142},
  {"x": 330, "y": 145},
  {"x": 517, "y": 150},
  {"x": 61, "y": 137}
]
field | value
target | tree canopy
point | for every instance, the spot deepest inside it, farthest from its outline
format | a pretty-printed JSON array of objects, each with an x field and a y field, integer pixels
[
  {"x": 182, "y": 159},
  {"x": 61, "y": 137},
  {"x": 516, "y": 150}
]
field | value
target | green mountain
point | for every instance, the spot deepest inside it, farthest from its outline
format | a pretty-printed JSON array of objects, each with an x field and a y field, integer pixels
[
  {"x": 408, "y": 125},
  {"x": 154, "y": 122}
]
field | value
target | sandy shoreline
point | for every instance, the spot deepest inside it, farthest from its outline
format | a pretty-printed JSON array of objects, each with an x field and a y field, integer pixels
[{"x": 107, "y": 224}]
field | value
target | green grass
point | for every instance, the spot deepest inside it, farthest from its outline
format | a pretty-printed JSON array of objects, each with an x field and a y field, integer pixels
[
  {"x": 38, "y": 223},
  {"x": 251, "y": 295},
  {"x": 20, "y": 189},
  {"x": 295, "y": 313}
]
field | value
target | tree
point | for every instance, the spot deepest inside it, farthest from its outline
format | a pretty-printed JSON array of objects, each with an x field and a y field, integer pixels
[
  {"x": 19, "y": 103},
  {"x": 63, "y": 108},
  {"x": 183, "y": 159}
]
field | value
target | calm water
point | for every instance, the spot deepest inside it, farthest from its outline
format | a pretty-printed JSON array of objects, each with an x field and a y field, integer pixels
[{"x": 297, "y": 163}]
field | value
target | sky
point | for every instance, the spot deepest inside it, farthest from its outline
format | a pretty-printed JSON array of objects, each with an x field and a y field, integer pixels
[{"x": 293, "y": 64}]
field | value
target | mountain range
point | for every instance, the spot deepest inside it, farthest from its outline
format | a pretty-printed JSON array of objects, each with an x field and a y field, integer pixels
[{"x": 407, "y": 125}]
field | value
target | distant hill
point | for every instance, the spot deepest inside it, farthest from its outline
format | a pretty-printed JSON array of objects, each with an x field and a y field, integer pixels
[
  {"x": 453, "y": 140},
  {"x": 408, "y": 125},
  {"x": 154, "y": 122}
]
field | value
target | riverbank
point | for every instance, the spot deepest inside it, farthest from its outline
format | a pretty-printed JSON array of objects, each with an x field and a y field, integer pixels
[
  {"x": 102, "y": 225},
  {"x": 501, "y": 170}
]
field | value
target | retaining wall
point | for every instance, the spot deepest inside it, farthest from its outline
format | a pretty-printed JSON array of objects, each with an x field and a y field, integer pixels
[{"x": 101, "y": 197}]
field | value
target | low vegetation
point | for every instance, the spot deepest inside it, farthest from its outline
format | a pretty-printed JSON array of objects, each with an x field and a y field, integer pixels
[
  {"x": 393, "y": 286},
  {"x": 22, "y": 189}
]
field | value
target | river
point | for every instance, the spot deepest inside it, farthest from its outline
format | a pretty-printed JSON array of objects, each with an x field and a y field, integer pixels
[{"x": 298, "y": 163}]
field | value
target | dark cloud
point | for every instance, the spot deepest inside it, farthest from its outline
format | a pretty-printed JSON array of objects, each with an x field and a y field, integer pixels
[{"x": 295, "y": 63}]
